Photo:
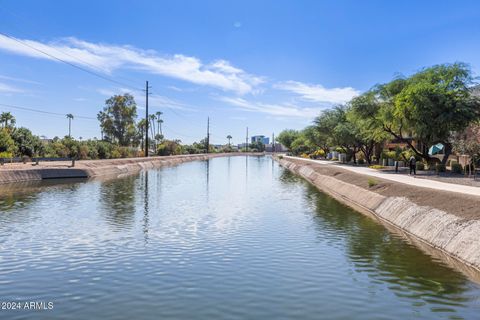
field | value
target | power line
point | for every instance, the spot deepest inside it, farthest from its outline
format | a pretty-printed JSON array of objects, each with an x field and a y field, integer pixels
[
  {"x": 69, "y": 63},
  {"x": 42, "y": 111}
]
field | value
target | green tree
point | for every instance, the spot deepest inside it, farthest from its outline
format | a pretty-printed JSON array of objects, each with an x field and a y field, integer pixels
[
  {"x": 428, "y": 106},
  {"x": 316, "y": 139},
  {"x": 229, "y": 137},
  {"x": 369, "y": 133},
  {"x": 259, "y": 146},
  {"x": 170, "y": 147},
  {"x": 27, "y": 144},
  {"x": 7, "y": 145},
  {"x": 7, "y": 119},
  {"x": 117, "y": 119},
  {"x": 334, "y": 125},
  {"x": 286, "y": 137}
]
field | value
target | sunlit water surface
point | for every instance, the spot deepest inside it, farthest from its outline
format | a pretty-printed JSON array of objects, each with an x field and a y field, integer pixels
[{"x": 228, "y": 238}]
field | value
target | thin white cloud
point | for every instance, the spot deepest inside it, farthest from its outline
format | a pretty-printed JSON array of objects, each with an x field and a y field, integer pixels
[
  {"x": 281, "y": 110},
  {"x": 107, "y": 58},
  {"x": 18, "y": 79},
  {"x": 318, "y": 93},
  {"x": 153, "y": 101},
  {"x": 6, "y": 88}
]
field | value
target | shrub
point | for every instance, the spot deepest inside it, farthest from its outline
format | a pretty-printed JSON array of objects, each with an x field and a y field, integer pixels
[
  {"x": 7, "y": 144},
  {"x": 6, "y": 154},
  {"x": 304, "y": 155},
  {"x": 440, "y": 168},
  {"x": 390, "y": 155},
  {"x": 457, "y": 168},
  {"x": 361, "y": 161},
  {"x": 376, "y": 166},
  {"x": 334, "y": 159},
  {"x": 116, "y": 154},
  {"x": 317, "y": 154},
  {"x": 372, "y": 182},
  {"x": 420, "y": 166}
]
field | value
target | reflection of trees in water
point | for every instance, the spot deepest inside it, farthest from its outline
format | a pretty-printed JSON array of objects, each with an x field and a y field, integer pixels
[
  {"x": 117, "y": 198},
  {"x": 17, "y": 198},
  {"x": 384, "y": 256}
]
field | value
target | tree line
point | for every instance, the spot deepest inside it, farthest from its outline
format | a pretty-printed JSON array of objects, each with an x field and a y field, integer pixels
[
  {"x": 122, "y": 135},
  {"x": 438, "y": 104}
]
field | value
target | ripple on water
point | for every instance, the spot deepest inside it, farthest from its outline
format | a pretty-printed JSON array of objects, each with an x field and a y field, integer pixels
[{"x": 231, "y": 238}]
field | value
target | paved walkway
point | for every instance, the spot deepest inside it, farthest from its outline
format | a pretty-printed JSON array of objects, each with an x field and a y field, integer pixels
[{"x": 406, "y": 179}]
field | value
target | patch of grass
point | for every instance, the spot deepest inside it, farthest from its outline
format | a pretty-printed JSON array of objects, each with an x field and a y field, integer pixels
[
  {"x": 372, "y": 182},
  {"x": 280, "y": 157},
  {"x": 376, "y": 166}
]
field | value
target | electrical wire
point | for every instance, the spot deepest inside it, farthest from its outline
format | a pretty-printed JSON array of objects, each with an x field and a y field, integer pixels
[{"x": 42, "y": 111}]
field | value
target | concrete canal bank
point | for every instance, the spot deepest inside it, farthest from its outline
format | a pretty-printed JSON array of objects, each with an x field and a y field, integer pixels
[
  {"x": 447, "y": 221},
  {"x": 93, "y": 168}
]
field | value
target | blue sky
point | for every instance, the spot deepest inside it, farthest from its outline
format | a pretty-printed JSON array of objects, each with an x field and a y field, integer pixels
[{"x": 270, "y": 65}]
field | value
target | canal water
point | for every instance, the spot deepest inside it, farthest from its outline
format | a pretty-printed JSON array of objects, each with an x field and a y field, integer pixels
[{"x": 229, "y": 238}]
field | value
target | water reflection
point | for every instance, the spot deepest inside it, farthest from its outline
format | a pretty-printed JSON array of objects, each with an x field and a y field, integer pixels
[
  {"x": 383, "y": 256},
  {"x": 117, "y": 199},
  {"x": 145, "y": 205},
  {"x": 203, "y": 241}
]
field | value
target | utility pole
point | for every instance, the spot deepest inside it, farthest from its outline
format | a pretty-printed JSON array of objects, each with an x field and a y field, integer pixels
[
  {"x": 146, "y": 118},
  {"x": 208, "y": 134},
  {"x": 246, "y": 142},
  {"x": 273, "y": 142}
]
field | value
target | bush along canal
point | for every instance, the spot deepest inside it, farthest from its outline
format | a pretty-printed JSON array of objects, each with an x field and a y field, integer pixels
[{"x": 224, "y": 238}]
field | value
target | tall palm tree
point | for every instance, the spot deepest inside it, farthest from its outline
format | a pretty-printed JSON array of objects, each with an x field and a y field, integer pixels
[
  {"x": 229, "y": 137},
  {"x": 152, "y": 125},
  {"x": 141, "y": 131},
  {"x": 70, "y": 118},
  {"x": 159, "y": 122},
  {"x": 7, "y": 117},
  {"x": 152, "y": 130}
]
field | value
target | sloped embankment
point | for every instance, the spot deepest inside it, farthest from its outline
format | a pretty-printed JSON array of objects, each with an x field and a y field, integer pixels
[
  {"x": 453, "y": 233},
  {"x": 96, "y": 168}
]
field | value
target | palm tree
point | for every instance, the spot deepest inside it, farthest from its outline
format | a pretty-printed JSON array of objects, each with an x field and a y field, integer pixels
[
  {"x": 141, "y": 131},
  {"x": 159, "y": 122},
  {"x": 152, "y": 130},
  {"x": 70, "y": 118},
  {"x": 152, "y": 125},
  {"x": 7, "y": 117},
  {"x": 229, "y": 137}
]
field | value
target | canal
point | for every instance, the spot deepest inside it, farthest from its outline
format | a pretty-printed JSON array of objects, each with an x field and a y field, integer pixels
[{"x": 229, "y": 238}]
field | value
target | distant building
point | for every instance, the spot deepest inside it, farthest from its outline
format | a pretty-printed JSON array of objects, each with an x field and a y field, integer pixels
[
  {"x": 262, "y": 139},
  {"x": 278, "y": 147}
]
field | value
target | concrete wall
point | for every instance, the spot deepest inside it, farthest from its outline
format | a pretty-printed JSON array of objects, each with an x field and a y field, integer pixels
[
  {"x": 457, "y": 237},
  {"x": 96, "y": 168}
]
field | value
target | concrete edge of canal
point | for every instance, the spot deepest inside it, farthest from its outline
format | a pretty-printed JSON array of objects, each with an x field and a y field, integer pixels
[
  {"x": 455, "y": 236},
  {"x": 98, "y": 168}
]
